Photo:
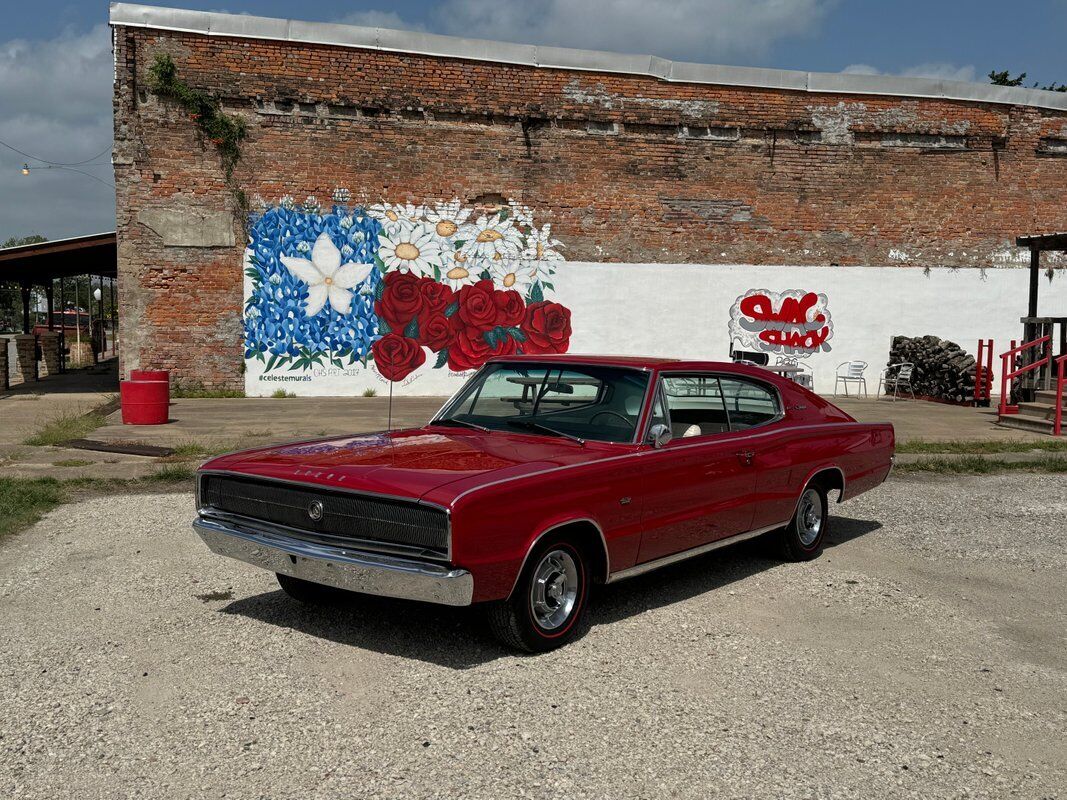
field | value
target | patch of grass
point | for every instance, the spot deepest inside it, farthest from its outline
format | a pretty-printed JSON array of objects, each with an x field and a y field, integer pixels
[
  {"x": 370, "y": 392},
  {"x": 199, "y": 391},
  {"x": 72, "y": 462},
  {"x": 64, "y": 428},
  {"x": 172, "y": 473},
  {"x": 974, "y": 465},
  {"x": 963, "y": 447},
  {"x": 281, "y": 393},
  {"x": 191, "y": 450},
  {"x": 23, "y": 501}
]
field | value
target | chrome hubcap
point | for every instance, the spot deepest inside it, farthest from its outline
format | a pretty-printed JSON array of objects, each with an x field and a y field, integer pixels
[
  {"x": 554, "y": 590},
  {"x": 809, "y": 517}
]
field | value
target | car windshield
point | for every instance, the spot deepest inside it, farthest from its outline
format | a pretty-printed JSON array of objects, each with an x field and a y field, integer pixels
[{"x": 576, "y": 401}]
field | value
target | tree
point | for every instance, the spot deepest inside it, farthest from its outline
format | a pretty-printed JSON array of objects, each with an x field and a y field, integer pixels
[
  {"x": 1003, "y": 78},
  {"x": 10, "y": 293},
  {"x": 18, "y": 241}
]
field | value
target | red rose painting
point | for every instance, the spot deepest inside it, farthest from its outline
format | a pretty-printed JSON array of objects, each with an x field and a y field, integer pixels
[
  {"x": 397, "y": 356},
  {"x": 547, "y": 327},
  {"x": 468, "y": 287}
]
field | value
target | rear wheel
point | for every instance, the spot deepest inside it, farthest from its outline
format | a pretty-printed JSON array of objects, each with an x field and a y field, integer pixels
[
  {"x": 309, "y": 593},
  {"x": 803, "y": 538},
  {"x": 546, "y": 609}
]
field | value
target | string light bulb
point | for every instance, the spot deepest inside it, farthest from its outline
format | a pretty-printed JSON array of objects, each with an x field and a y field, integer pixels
[{"x": 25, "y": 169}]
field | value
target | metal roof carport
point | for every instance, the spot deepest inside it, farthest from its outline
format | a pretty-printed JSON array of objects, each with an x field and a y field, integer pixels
[{"x": 40, "y": 264}]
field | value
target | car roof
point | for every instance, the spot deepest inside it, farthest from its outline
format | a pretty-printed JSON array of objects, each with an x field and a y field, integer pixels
[{"x": 639, "y": 362}]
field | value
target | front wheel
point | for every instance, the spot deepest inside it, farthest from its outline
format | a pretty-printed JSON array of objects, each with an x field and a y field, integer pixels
[
  {"x": 546, "y": 609},
  {"x": 803, "y": 538}
]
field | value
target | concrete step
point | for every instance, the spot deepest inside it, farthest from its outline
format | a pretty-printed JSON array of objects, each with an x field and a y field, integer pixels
[
  {"x": 1019, "y": 422},
  {"x": 1049, "y": 396},
  {"x": 1038, "y": 410}
]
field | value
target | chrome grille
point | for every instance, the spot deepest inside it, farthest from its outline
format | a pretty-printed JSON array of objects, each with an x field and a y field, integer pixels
[{"x": 345, "y": 517}]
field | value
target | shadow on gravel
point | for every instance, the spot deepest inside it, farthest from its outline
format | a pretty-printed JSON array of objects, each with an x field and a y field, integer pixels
[
  {"x": 457, "y": 637},
  {"x": 707, "y": 573}
]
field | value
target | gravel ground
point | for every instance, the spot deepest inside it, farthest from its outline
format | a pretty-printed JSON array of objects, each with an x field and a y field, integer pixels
[{"x": 922, "y": 656}]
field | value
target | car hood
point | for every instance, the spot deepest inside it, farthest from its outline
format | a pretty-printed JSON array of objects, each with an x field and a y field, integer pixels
[{"x": 410, "y": 463}]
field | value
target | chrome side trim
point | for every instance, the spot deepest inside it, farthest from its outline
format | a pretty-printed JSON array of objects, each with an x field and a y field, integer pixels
[
  {"x": 648, "y": 566},
  {"x": 353, "y": 570},
  {"x": 557, "y": 526}
]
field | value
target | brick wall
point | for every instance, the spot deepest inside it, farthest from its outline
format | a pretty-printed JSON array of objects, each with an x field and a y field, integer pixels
[{"x": 626, "y": 168}]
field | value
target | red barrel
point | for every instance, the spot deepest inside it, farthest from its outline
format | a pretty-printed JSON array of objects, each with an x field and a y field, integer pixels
[
  {"x": 145, "y": 402},
  {"x": 149, "y": 375}
]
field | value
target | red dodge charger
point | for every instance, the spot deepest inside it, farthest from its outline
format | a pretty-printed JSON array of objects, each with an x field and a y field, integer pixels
[{"x": 542, "y": 476}]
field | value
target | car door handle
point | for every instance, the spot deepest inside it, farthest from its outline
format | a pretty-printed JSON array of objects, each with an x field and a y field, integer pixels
[{"x": 746, "y": 457}]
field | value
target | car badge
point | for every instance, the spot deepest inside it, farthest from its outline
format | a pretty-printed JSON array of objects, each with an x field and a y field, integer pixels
[{"x": 315, "y": 510}]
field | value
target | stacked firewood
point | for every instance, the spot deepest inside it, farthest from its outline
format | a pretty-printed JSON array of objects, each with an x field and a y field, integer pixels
[{"x": 943, "y": 369}]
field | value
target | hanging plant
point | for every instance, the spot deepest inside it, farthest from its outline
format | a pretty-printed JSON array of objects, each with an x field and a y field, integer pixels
[{"x": 221, "y": 129}]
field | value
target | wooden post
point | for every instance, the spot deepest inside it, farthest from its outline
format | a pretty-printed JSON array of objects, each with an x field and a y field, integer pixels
[{"x": 1030, "y": 330}]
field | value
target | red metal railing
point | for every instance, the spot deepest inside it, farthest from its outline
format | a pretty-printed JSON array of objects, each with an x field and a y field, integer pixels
[
  {"x": 1007, "y": 374},
  {"x": 983, "y": 374},
  {"x": 1057, "y": 425}
]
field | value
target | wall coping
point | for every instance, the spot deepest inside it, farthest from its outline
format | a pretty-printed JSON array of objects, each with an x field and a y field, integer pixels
[{"x": 327, "y": 33}]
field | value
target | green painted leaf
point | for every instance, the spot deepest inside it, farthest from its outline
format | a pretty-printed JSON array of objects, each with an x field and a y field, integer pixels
[
  {"x": 271, "y": 363},
  {"x": 383, "y": 327},
  {"x": 537, "y": 294},
  {"x": 517, "y": 334},
  {"x": 503, "y": 214},
  {"x": 492, "y": 337},
  {"x": 412, "y": 330},
  {"x": 485, "y": 276},
  {"x": 442, "y": 359},
  {"x": 452, "y": 309},
  {"x": 379, "y": 290}
]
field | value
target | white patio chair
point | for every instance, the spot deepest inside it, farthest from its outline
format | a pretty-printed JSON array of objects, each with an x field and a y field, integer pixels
[
  {"x": 804, "y": 377},
  {"x": 896, "y": 376},
  {"x": 853, "y": 373}
]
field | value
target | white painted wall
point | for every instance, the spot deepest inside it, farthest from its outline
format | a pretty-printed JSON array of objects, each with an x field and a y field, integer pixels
[{"x": 683, "y": 310}]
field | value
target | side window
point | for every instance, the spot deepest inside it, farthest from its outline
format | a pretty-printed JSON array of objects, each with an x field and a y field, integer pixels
[
  {"x": 749, "y": 404},
  {"x": 659, "y": 415},
  {"x": 696, "y": 405}
]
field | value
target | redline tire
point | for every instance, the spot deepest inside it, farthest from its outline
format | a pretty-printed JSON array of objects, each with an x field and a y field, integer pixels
[
  {"x": 802, "y": 539},
  {"x": 547, "y": 608}
]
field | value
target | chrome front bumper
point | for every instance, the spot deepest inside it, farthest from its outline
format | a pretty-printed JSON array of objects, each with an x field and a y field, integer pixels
[{"x": 354, "y": 570}]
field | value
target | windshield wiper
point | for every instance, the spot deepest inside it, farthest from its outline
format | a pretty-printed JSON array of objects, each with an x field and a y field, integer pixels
[
  {"x": 537, "y": 426},
  {"x": 462, "y": 422}
]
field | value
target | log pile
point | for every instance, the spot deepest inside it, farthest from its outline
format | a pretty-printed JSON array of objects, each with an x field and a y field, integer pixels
[{"x": 943, "y": 369}]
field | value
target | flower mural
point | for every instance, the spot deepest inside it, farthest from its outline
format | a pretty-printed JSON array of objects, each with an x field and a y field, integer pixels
[{"x": 397, "y": 287}]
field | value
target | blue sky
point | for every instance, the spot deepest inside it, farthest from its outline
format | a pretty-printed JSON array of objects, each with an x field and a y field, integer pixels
[{"x": 55, "y": 62}]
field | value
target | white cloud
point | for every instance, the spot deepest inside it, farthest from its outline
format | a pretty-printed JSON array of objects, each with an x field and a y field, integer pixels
[
  {"x": 942, "y": 71},
  {"x": 935, "y": 69},
  {"x": 701, "y": 30},
  {"x": 861, "y": 69},
  {"x": 704, "y": 30},
  {"x": 56, "y": 97},
  {"x": 378, "y": 19}
]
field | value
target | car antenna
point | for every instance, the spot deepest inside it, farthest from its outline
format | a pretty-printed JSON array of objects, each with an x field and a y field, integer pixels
[{"x": 389, "y": 425}]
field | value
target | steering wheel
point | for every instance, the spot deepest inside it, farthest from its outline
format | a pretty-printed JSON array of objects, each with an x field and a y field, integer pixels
[{"x": 625, "y": 420}]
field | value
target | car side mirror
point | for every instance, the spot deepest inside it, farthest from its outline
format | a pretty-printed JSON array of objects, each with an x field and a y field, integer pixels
[{"x": 659, "y": 435}]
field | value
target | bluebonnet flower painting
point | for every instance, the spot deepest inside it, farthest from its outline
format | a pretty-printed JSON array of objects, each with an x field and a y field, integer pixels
[
  {"x": 333, "y": 290},
  {"x": 313, "y": 284}
]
